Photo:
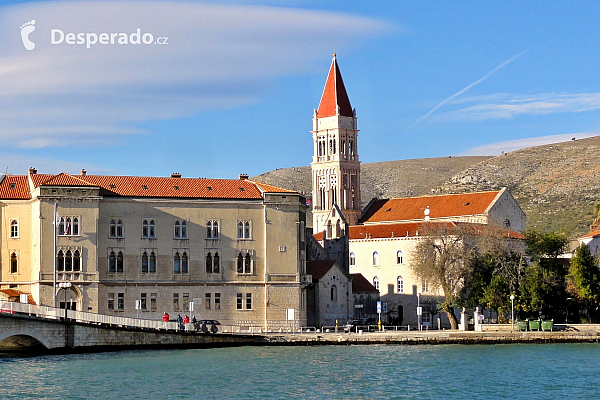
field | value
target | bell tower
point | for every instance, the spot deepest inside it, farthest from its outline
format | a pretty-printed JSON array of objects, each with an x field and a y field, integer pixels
[{"x": 335, "y": 165}]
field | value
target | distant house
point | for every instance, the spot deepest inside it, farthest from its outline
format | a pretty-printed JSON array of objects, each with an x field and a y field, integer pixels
[
  {"x": 329, "y": 298},
  {"x": 592, "y": 239},
  {"x": 365, "y": 297}
]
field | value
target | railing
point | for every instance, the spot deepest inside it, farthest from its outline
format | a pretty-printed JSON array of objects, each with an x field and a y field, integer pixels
[{"x": 70, "y": 276}]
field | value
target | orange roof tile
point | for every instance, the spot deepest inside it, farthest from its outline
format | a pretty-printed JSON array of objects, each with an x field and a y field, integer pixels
[
  {"x": 64, "y": 179},
  {"x": 361, "y": 284},
  {"x": 14, "y": 187},
  {"x": 334, "y": 95},
  {"x": 272, "y": 189},
  {"x": 413, "y": 208},
  {"x": 591, "y": 234}
]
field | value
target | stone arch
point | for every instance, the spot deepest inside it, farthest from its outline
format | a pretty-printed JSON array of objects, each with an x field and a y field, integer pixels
[
  {"x": 73, "y": 293},
  {"x": 23, "y": 331}
]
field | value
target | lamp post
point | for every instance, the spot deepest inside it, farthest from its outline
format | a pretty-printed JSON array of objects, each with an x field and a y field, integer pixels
[
  {"x": 567, "y": 318},
  {"x": 419, "y": 312},
  {"x": 65, "y": 286},
  {"x": 512, "y": 312}
]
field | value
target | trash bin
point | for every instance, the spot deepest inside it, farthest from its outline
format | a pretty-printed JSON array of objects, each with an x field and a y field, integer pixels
[
  {"x": 521, "y": 325},
  {"x": 534, "y": 325},
  {"x": 548, "y": 325}
]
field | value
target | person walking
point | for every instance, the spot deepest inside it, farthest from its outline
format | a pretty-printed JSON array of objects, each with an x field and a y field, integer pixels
[
  {"x": 179, "y": 321},
  {"x": 165, "y": 317}
]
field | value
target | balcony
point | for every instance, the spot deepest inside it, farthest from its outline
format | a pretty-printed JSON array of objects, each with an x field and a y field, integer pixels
[{"x": 71, "y": 276}]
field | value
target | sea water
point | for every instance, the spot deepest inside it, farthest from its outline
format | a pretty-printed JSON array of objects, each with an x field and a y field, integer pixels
[{"x": 552, "y": 371}]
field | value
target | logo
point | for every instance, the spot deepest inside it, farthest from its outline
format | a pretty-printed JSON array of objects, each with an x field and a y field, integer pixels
[{"x": 26, "y": 29}]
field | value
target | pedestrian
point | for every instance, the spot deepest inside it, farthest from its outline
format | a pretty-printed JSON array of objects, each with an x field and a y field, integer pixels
[
  {"x": 186, "y": 320},
  {"x": 166, "y": 317},
  {"x": 179, "y": 321},
  {"x": 195, "y": 323}
]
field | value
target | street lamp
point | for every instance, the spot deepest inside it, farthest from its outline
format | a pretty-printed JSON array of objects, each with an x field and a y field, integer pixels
[
  {"x": 65, "y": 286},
  {"x": 419, "y": 311},
  {"x": 512, "y": 308}
]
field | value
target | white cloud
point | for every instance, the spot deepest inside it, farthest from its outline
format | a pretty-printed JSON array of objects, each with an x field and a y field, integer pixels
[
  {"x": 217, "y": 56},
  {"x": 494, "y": 149},
  {"x": 507, "y": 106},
  {"x": 17, "y": 164}
]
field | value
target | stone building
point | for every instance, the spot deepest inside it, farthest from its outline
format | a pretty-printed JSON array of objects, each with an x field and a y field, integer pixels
[
  {"x": 235, "y": 248},
  {"x": 329, "y": 298}
]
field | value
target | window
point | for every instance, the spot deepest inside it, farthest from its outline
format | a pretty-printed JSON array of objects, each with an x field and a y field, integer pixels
[
  {"x": 507, "y": 223},
  {"x": 120, "y": 262},
  {"x": 120, "y": 301},
  {"x": 248, "y": 301},
  {"x": 152, "y": 263},
  {"x": 68, "y": 261},
  {"x": 177, "y": 263},
  {"x": 184, "y": 263},
  {"x": 143, "y": 301},
  {"x": 212, "y": 229},
  {"x": 183, "y": 230},
  {"x": 153, "y": 301},
  {"x": 352, "y": 259},
  {"x": 111, "y": 301},
  {"x": 144, "y": 262},
  {"x": 148, "y": 229},
  {"x": 244, "y": 230},
  {"x": 68, "y": 226},
  {"x": 424, "y": 286},
  {"x": 176, "y": 301},
  {"x": 207, "y": 300},
  {"x": 76, "y": 261},
  {"x": 244, "y": 263},
  {"x": 152, "y": 233},
  {"x": 177, "y": 232},
  {"x": 240, "y": 301},
  {"x": 333, "y": 293},
  {"x": 145, "y": 229},
  {"x": 217, "y": 301},
  {"x": 119, "y": 228},
  {"x": 14, "y": 263},
  {"x": 213, "y": 264},
  {"x": 426, "y": 317},
  {"x": 399, "y": 257},
  {"x": 14, "y": 228},
  {"x": 376, "y": 282},
  {"x": 181, "y": 262},
  {"x": 375, "y": 259},
  {"x": 186, "y": 301},
  {"x": 112, "y": 262},
  {"x": 399, "y": 284}
]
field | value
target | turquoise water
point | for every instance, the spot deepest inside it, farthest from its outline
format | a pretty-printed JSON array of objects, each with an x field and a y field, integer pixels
[{"x": 334, "y": 372}]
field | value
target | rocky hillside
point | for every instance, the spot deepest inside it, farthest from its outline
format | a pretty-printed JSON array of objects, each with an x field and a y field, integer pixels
[{"x": 556, "y": 185}]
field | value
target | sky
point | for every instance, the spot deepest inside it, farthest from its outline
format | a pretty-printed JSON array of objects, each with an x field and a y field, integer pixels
[{"x": 229, "y": 87}]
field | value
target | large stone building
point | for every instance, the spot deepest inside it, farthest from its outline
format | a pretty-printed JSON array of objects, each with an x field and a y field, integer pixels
[{"x": 235, "y": 248}]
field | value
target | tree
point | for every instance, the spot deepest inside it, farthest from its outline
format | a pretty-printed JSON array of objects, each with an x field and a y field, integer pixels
[
  {"x": 443, "y": 259},
  {"x": 583, "y": 280}
]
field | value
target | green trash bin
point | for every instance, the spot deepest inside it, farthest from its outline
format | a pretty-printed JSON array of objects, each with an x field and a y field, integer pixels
[
  {"x": 534, "y": 325},
  {"x": 521, "y": 325},
  {"x": 548, "y": 325}
]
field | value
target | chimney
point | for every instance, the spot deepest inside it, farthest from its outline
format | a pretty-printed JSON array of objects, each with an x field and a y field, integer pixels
[
  {"x": 32, "y": 171},
  {"x": 83, "y": 172},
  {"x": 243, "y": 177},
  {"x": 175, "y": 175}
]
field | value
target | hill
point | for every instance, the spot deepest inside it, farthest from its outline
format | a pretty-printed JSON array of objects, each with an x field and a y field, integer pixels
[{"x": 555, "y": 184}]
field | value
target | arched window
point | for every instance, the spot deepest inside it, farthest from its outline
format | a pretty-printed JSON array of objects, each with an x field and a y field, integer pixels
[
  {"x": 76, "y": 261},
  {"x": 14, "y": 228},
  {"x": 75, "y": 226},
  {"x": 240, "y": 264},
  {"x": 240, "y": 230},
  {"x": 144, "y": 262},
  {"x": 145, "y": 229},
  {"x": 112, "y": 261},
  {"x": 120, "y": 262},
  {"x": 399, "y": 257},
  {"x": 209, "y": 229},
  {"x": 184, "y": 263},
  {"x": 215, "y": 234},
  {"x": 112, "y": 229},
  {"x": 328, "y": 229},
  {"x": 399, "y": 284},
  {"x": 152, "y": 263},
  {"x": 68, "y": 261},
  {"x": 177, "y": 233},
  {"x": 376, "y": 282},
  {"x": 507, "y": 223},
  {"x": 375, "y": 259},
  {"x": 217, "y": 264},
  {"x": 247, "y": 230},
  {"x": 61, "y": 226},
  {"x": 338, "y": 229},
  {"x": 14, "y": 263},
  {"x": 352, "y": 259},
  {"x": 333, "y": 293},
  {"x": 183, "y": 230},
  {"x": 60, "y": 261},
  {"x": 248, "y": 264},
  {"x": 209, "y": 264},
  {"x": 119, "y": 229},
  {"x": 152, "y": 232},
  {"x": 177, "y": 263},
  {"x": 68, "y": 226}
]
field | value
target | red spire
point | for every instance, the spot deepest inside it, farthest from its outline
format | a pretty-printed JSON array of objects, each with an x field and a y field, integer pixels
[{"x": 334, "y": 95}]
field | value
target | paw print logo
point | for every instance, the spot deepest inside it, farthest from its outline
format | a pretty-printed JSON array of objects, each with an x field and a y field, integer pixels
[{"x": 26, "y": 29}]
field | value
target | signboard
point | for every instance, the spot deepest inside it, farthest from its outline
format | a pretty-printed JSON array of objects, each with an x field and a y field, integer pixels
[
  {"x": 138, "y": 304},
  {"x": 23, "y": 298},
  {"x": 191, "y": 306},
  {"x": 378, "y": 307},
  {"x": 291, "y": 314},
  {"x": 419, "y": 310},
  {"x": 385, "y": 307},
  {"x": 359, "y": 306}
]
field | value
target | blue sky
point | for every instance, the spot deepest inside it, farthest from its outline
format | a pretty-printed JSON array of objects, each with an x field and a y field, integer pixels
[{"x": 234, "y": 89}]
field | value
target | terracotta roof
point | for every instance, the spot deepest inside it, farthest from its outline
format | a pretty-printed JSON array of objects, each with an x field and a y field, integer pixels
[
  {"x": 318, "y": 268},
  {"x": 411, "y": 229},
  {"x": 14, "y": 187},
  {"x": 334, "y": 95},
  {"x": 17, "y": 293},
  {"x": 137, "y": 186},
  {"x": 362, "y": 284},
  {"x": 413, "y": 208},
  {"x": 591, "y": 234},
  {"x": 319, "y": 236}
]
